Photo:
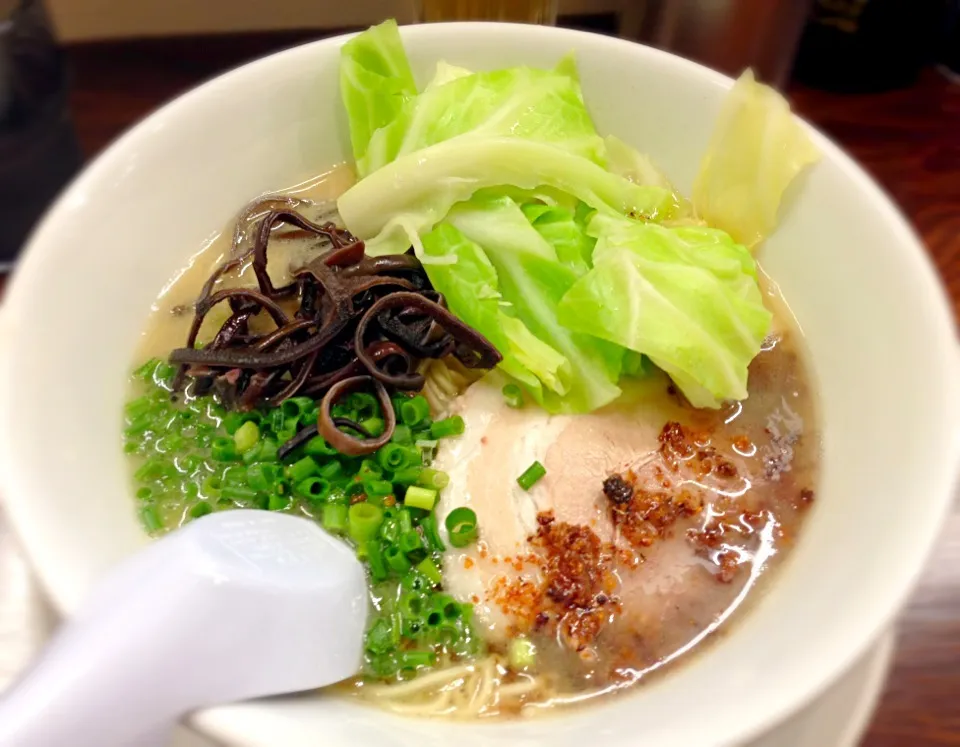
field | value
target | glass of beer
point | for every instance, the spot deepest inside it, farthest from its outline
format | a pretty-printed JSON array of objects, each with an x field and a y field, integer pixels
[{"x": 518, "y": 11}]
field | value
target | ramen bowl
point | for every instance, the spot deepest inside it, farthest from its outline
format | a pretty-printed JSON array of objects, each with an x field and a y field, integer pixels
[{"x": 880, "y": 335}]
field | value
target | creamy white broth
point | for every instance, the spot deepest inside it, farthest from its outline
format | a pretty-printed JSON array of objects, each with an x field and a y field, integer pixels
[{"x": 172, "y": 314}]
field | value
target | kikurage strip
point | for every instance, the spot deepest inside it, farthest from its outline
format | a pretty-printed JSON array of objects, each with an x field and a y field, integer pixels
[{"x": 359, "y": 319}]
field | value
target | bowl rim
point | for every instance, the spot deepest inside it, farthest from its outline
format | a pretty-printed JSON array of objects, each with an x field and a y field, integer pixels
[{"x": 781, "y": 705}]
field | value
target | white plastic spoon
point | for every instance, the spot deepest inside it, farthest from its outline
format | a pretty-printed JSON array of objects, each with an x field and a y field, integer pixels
[{"x": 236, "y": 605}]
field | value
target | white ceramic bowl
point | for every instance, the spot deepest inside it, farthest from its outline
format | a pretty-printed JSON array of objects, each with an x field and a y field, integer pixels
[{"x": 879, "y": 330}]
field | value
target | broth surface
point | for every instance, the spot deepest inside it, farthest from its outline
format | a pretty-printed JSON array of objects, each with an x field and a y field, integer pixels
[
  {"x": 718, "y": 498},
  {"x": 172, "y": 313}
]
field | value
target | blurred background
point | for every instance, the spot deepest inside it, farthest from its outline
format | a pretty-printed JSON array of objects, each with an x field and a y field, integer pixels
[
  {"x": 878, "y": 75},
  {"x": 881, "y": 77}
]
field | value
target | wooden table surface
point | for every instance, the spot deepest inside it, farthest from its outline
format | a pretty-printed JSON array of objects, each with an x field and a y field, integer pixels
[{"x": 909, "y": 140}]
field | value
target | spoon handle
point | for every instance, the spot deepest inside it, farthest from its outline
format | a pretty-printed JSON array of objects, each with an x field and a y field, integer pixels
[
  {"x": 103, "y": 681},
  {"x": 236, "y": 605}
]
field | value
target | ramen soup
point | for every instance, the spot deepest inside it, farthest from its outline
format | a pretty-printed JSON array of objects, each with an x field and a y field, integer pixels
[{"x": 569, "y": 432}]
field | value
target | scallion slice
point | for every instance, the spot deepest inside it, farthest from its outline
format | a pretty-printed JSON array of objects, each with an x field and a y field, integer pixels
[
  {"x": 462, "y": 526},
  {"x": 531, "y": 475}
]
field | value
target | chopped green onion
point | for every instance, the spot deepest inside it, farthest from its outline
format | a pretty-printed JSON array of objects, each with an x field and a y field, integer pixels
[
  {"x": 363, "y": 521},
  {"x": 427, "y": 444},
  {"x": 341, "y": 410},
  {"x": 461, "y": 526},
  {"x": 417, "y": 582},
  {"x": 415, "y": 659},
  {"x": 418, "y": 497},
  {"x": 448, "y": 607},
  {"x": 377, "y": 488},
  {"x": 396, "y": 559},
  {"x": 246, "y": 436},
  {"x": 331, "y": 470},
  {"x": 302, "y": 469},
  {"x": 390, "y": 529},
  {"x": 364, "y": 405},
  {"x": 433, "y": 478},
  {"x": 286, "y": 434},
  {"x": 278, "y": 503},
  {"x": 234, "y": 476},
  {"x": 187, "y": 418},
  {"x": 434, "y": 618},
  {"x": 402, "y": 435},
  {"x": 316, "y": 446},
  {"x": 223, "y": 449},
  {"x": 466, "y": 614},
  {"x": 412, "y": 627},
  {"x": 203, "y": 431},
  {"x": 429, "y": 569},
  {"x": 153, "y": 469},
  {"x": 163, "y": 374},
  {"x": 373, "y": 426},
  {"x": 138, "y": 425},
  {"x": 151, "y": 519},
  {"x": 513, "y": 395},
  {"x": 430, "y": 533},
  {"x": 263, "y": 476},
  {"x": 189, "y": 463},
  {"x": 407, "y": 476},
  {"x": 397, "y": 401},
  {"x": 296, "y": 407},
  {"x": 145, "y": 494},
  {"x": 380, "y": 638},
  {"x": 202, "y": 508},
  {"x": 369, "y": 470},
  {"x": 450, "y": 633},
  {"x": 146, "y": 370},
  {"x": 410, "y": 604},
  {"x": 452, "y": 426},
  {"x": 233, "y": 420},
  {"x": 374, "y": 556},
  {"x": 414, "y": 411},
  {"x": 522, "y": 653},
  {"x": 211, "y": 486},
  {"x": 404, "y": 521},
  {"x": 412, "y": 546},
  {"x": 394, "y": 457},
  {"x": 253, "y": 455},
  {"x": 170, "y": 444},
  {"x": 268, "y": 450},
  {"x": 422, "y": 430},
  {"x": 353, "y": 491},
  {"x": 313, "y": 488},
  {"x": 334, "y": 517},
  {"x": 531, "y": 475},
  {"x": 238, "y": 494},
  {"x": 139, "y": 407},
  {"x": 277, "y": 419}
]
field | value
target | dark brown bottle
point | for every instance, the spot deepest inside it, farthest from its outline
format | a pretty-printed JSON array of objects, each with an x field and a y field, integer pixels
[
  {"x": 866, "y": 45},
  {"x": 39, "y": 151}
]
